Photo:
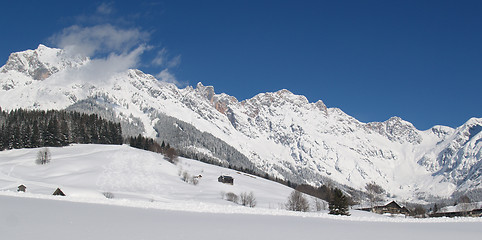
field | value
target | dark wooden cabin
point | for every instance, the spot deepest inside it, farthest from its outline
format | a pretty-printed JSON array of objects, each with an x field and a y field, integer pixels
[
  {"x": 58, "y": 192},
  {"x": 21, "y": 188},
  {"x": 226, "y": 179},
  {"x": 392, "y": 208}
]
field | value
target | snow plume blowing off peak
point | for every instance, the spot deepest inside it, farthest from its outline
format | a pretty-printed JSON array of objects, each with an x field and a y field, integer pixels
[{"x": 111, "y": 50}]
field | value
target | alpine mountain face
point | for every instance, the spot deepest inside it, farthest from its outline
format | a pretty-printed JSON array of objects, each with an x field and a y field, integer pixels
[{"x": 279, "y": 133}]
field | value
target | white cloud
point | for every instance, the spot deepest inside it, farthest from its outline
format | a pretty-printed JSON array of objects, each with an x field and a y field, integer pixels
[
  {"x": 104, "y": 68},
  {"x": 105, "y": 8},
  {"x": 112, "y": 49},
  {"x": 166, "y": 76},
  {"x": 174, "y": 62},
  {"x": 162, "y": 59},
  {"x": 99, "y": 39}
]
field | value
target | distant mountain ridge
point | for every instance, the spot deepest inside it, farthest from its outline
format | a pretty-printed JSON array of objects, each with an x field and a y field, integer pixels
[{"x": 280, "y": 133}]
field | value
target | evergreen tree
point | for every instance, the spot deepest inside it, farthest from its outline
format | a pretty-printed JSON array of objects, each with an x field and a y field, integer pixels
[
  {"x": 64, "y": 133},
  {"x": 339, "y": 204},
  {"x": 26, "y": 133},
  {"x": 21, "y": 128},
  {"x": 2, "y": 140},
  {"x": 35, "y": 137},
  {"x": 53, "y": 133}
]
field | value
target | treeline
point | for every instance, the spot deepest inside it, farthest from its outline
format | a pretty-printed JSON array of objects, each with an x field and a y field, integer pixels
[
  {"x": 324, "y": 192},
  {"x": 34, "y": 128},
  {"x": 150, "y": 144}
]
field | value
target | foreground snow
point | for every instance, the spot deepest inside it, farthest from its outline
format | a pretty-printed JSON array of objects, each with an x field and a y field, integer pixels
[{"x": 28, "y": 217}]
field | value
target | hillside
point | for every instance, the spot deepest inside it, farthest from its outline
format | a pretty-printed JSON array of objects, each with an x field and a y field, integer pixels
[
  {"x": 280, "y": 133},
  {"x": 149, "y": 192},
  {"x": 88, "y": 171}
]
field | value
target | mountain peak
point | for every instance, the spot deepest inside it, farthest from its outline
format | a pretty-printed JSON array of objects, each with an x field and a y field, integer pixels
[
  {"x": 474, "y": 121},
  {"x": 206, "y": 91},
  {"x": 397, "y": 130},
  {"x": 42, "y": 47},
  {"x": 40, "y": 63}
]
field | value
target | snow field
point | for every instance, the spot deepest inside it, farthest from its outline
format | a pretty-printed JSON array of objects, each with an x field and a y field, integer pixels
[
  {"x": 152, "y": 202},
  {"x": 129, "y": 173},
  {"x": 30, "y": 218}
]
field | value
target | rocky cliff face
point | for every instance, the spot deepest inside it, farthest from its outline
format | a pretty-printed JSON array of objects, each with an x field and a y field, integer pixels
[{"x": 281, "y": 133}]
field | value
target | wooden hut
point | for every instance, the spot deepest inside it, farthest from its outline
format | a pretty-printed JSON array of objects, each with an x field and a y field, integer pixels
[
  {"x": 21, "y": 188},
  {"x": 392, "y": 208},
  {"x": 226, "y": 179},
  {"x": 58, "y": 192}
]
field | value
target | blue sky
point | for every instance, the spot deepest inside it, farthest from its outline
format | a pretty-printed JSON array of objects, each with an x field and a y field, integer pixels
[{"x": 419, "y": 60}]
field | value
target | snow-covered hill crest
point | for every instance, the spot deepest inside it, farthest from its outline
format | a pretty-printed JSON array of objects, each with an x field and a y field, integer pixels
[{"x": 280, "y": 133}]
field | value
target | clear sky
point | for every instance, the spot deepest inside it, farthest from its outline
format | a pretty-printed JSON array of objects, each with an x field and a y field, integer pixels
[{"x": 419, "y": 60}]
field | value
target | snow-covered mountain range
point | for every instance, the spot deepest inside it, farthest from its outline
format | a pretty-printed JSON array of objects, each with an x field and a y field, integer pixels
[{"x": 280, "y": 133}]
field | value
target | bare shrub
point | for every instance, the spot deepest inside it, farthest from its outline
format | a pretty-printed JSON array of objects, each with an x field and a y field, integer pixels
[
  {"x": 248, "y": 199},
  {"x": 223, "y": 194},
  {"x": 418, "y": 211},
  {"x": 185, "y": 176},
  {"x": 375, "y": 192},
  {"x": 194, "y": 180},
  {"x": 232, "y": 197},
  {"x": 297, "y": 202},
  {"x": 171, "y": 155},
  {"x": 43, "y": 156},
  {"x": 319, "y": 204},
  {"x": 465, "y": 205}
]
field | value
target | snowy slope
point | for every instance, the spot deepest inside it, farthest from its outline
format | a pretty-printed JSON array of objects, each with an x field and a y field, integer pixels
[
  {"x": 87, "y": 171},
  {"x": 281, "y": 133}
]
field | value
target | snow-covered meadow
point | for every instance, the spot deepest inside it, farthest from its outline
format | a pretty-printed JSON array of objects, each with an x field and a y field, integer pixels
[
  {"x": 152, "y": 202},
  {"x": 32, "y": 218},
  {"x": 88, "y": 171}
]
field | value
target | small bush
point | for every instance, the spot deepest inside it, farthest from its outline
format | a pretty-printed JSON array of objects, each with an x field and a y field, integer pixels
[
  {"x": 418, "y": 211},
  {"x": 248, "y": 199},
  {"x": 223, "y": 194},
  {"x": 171, "y": 155},
  {"x": 43, "y": 156},
  {"x": 297, "y": 202},
  {"x": 185, "y": 176},
  {"x": 319, "y": 205},
  {"x": 194, "y": 181},
  {"x": 232, "y": 197}
]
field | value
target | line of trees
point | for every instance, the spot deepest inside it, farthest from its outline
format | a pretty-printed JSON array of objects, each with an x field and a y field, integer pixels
[
  {"x": 149, "y": 144},
  {"x": 145, "y": 143},
  {"x": 34, "y": 128},
  {"x": 338, "y": 201}
]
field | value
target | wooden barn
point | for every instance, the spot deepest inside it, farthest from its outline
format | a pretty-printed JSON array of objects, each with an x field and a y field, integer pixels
[
  {"x": 472, "y": 213},
  {"x": 58, "y": 192},
  {"x": 226, "y": 179},
  {"x": 392, "y": 208},
  {"x": 21, "y": 188}
]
